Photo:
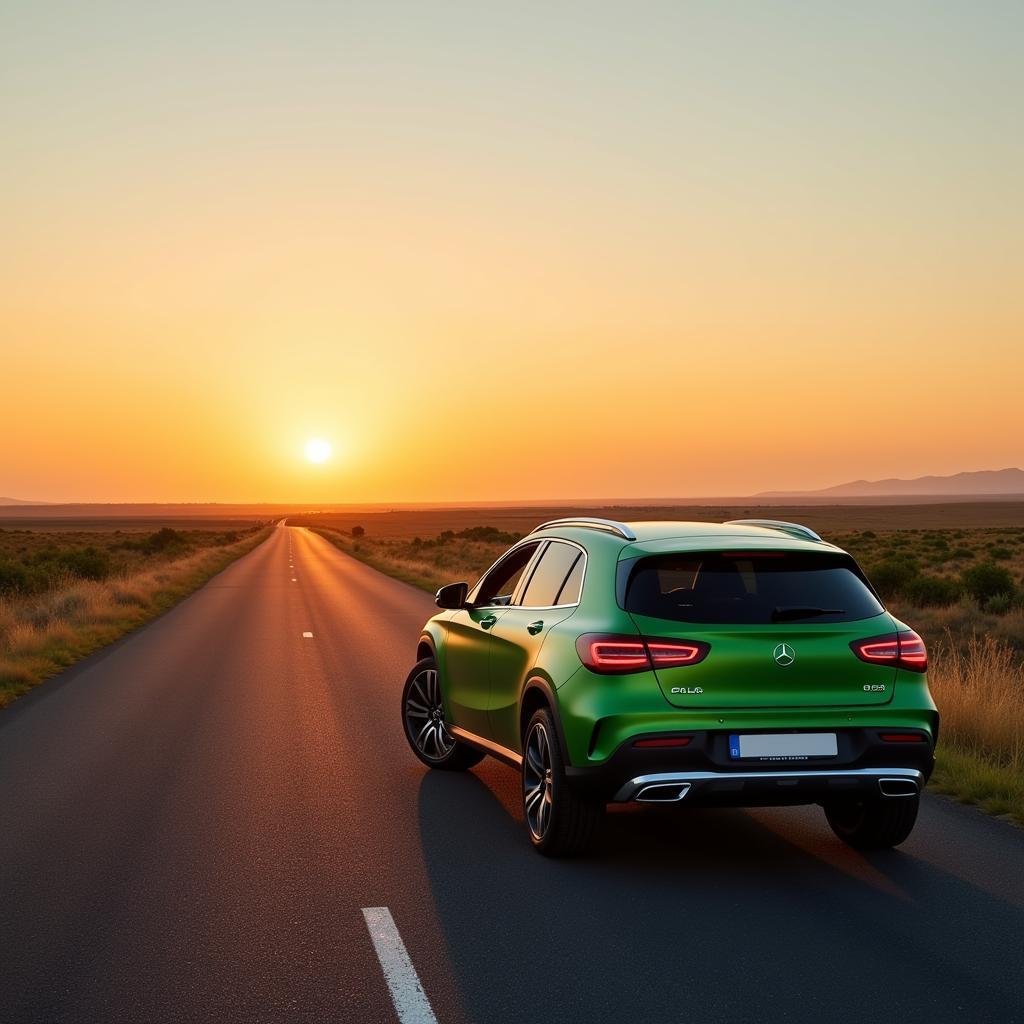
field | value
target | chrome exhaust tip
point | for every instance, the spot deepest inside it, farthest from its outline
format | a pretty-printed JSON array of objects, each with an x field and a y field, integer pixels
[
  {"x": 663, "y": 793},
  {"x": 897, "y": 787}
]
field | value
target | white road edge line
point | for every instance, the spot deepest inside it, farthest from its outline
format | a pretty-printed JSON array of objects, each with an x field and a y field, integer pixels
[
  {"x": 307, "y": 635},
  {"x": 407, "y": 993}
]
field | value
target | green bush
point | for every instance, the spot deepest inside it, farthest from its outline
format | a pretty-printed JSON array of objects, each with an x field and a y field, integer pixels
[
  {"x": 14, "y": 578},
  {"x": 480, "y": 534},
  {"x": 893, "y": 576},
  {"x": 1001, "y": 554},
  {"x": 937, "y": 591},
  {"x": 999, "y": 605},
  {"x": 163, "y": 542},
  {"x": 963, "y": 552},
  {"x": 88, "y": 563},
  {"x": 986, "y": 581}
]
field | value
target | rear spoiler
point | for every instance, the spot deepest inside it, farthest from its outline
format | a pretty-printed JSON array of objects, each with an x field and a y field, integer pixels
[{"x": 793, "y": 529}]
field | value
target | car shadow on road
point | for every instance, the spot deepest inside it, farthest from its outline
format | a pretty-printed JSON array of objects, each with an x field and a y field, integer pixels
[{"x": 704, "y": 915}]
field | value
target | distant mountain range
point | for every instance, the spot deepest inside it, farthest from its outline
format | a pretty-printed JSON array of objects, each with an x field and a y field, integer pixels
[
  {"x": 982, "y": 482},
  {"x": 16, "y": 501}
]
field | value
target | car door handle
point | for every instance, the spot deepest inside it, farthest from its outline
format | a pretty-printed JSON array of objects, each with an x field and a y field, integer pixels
[
  {"x": 535, "y": 627},
  {"x": 487, "y": 621}
]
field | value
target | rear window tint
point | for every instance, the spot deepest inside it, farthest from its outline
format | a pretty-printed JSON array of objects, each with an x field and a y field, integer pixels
[{"x": 756, "y": 587}]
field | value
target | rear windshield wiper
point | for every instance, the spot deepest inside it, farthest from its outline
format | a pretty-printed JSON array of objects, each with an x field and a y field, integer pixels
[{"x": 789, "y": 613}]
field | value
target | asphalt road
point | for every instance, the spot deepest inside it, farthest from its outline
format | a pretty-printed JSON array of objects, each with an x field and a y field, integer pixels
[{"x": 192, "y": 821}]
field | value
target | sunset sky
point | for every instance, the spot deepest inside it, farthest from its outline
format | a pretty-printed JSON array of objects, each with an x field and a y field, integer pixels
[{"x": 507, "y": 251}]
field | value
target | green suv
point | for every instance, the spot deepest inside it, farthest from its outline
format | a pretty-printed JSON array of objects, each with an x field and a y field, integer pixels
[{"x": 748, "y": 663}]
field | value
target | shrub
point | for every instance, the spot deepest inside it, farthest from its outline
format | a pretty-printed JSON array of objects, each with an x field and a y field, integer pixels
[
  {"x": 963, "y": 552},
  {"x": 892, "y": 577},
  {"x": 14, "y": 579},
  {"x": 1002, "y": 554},
  {"x": 938, "y": 591},
  {"x": 1000, "y": 604},
  {"x": 87, "y": 563},
  {"x": 358, "y": 531},
  {"x": 484, "y": 534},
  {"x": 986, "y": 581},
  {"x": 163, "y": 541}
]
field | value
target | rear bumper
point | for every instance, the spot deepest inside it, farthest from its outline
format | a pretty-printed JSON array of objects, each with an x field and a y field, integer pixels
[
  {"x": 773, "y": 788},
  {"x": 702, "y": 772}
]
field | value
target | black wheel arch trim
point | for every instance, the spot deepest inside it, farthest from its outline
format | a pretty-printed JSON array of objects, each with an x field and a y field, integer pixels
[
  {"x": 426, "y": 640},
  {"x": 539, "y": 683}
]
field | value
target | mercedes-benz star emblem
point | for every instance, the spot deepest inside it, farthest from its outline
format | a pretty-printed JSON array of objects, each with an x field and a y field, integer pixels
[{"x": 784, "y": 655}]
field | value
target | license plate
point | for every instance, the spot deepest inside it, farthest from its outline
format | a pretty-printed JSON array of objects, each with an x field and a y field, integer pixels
[{"x": 785, "y": 746}]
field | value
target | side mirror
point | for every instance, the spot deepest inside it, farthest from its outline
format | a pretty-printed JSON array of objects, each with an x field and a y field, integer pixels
[{"x": 452, "y": 596}]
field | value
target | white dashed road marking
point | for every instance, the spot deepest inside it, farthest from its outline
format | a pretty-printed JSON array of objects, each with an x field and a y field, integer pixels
[
  {"x": 407, "y": 993},
  {"x": 308, "y": 635}
]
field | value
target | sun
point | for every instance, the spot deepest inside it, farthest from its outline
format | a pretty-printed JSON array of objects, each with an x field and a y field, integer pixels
[{"x": 318, "y": 450}]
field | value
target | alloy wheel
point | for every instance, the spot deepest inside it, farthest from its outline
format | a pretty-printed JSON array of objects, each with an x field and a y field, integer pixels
[
  {"x": 537, "y": 781},
  {"x": 424, "y": 717}
]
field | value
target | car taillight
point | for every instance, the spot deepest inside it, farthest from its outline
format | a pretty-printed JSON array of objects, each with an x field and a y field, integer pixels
[
  {"x": 913, "y": 653},
  {"x": 608, "y": 654},
  {"x": 668, "y": 655},
  {"x": 903, "y": 650},
  {"x": 901, "y": 737}
]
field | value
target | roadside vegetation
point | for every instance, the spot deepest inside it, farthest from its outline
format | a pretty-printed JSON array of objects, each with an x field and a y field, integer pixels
[
  {"x": 64, "y": 595},
  {"x": 962, "y": 589}
]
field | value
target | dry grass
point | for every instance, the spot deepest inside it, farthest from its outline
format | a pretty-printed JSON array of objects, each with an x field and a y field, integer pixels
[
  {"x": 44, "y": 633},
  {"x": 979, "y": 688}
]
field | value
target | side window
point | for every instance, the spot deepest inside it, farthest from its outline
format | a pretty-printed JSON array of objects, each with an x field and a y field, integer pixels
[
  {"x": 498, "y": 586},
  {"x": 551, "y": 575},
  {"x": 571, "y": 588}
]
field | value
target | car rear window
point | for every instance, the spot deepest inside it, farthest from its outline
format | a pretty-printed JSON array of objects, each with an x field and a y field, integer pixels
[{"x": 750, "y": 587}]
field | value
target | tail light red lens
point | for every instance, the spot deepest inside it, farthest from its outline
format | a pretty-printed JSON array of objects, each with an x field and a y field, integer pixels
[
  {"x": 903, "y": 650},
  {"x": 913, "y": 653},
  {"x": 608, "y": 654},
  {"x": 668, "y": 655},
  {"x": 901, "y": 737}
]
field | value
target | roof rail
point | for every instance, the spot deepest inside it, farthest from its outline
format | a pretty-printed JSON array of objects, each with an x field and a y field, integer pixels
[
  {"x": 793, "y": 529},
  {"x": 590, "y": 523}
]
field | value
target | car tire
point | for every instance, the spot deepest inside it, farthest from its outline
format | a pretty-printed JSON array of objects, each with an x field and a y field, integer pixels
[
  {"x": 873, "y": 824},
  {"x": 424, "y": 722},
  {"x": 560, "y": 822}
]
